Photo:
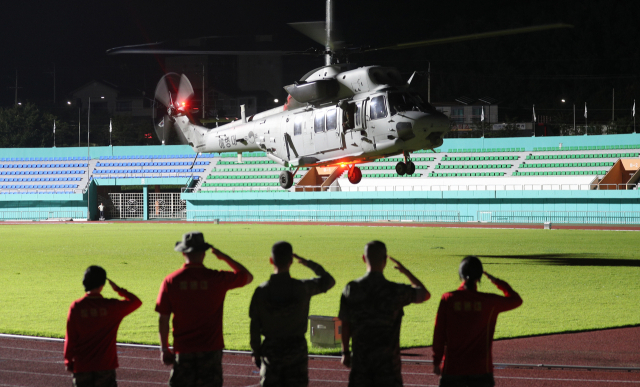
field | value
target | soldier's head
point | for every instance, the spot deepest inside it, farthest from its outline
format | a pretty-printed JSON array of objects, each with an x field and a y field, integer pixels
[
  {"x": 375, "y": 255},
  {"x": 470, "y": 269},
  {"x": 94, "y": 278},
  {"x": 193, "y": 247},
  {"x": 282, "y": 255}
]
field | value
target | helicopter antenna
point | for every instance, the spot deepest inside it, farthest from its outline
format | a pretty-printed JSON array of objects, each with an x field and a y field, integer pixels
[{"x": 328, "y": 56}]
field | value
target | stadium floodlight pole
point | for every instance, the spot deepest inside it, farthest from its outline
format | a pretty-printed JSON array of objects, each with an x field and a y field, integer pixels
[{"x": 88, "y": 162}]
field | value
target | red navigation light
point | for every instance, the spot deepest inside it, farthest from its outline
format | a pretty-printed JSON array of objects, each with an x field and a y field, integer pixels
[
  {"x": 184, "y": 103},
  {"x": 148, "y": 135}
]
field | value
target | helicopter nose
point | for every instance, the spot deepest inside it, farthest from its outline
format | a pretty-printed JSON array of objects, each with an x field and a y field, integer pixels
[{"x": 430, "y": 123}]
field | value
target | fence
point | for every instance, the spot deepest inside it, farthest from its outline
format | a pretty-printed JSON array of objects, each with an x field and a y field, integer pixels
[
  {"x": 41, "y": 215},
  {"x": 160, "y": 206},
  {"x": 166, "y": 205},
  {"x": 582, "y": 217},
  {"x": 324, "y": 216},
  {"x": 401, "y": 188},
  {"x": 126, "y": 206}
]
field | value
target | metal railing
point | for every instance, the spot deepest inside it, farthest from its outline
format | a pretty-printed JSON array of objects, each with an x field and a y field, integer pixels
[
  {"x": 436, "y": 188},
  {"x": 325, "y": 216},
  {"x": 41, "y": 215},
  {"x": 40, "y": 191},
  {"x": 495, "y": 187},
  {"x": 581, "y": 217},
  {"x": 143, "y": 175}
]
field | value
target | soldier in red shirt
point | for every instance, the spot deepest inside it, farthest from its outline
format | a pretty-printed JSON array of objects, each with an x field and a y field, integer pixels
[
  {"x": 195, "y": 296},
  {"x": 465, "y": 324},
  {"x": 92, "y": 327}
]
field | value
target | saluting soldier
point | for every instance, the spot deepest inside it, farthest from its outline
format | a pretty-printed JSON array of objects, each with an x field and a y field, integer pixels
[
  {"x": 92, "y": 326},
  {"x": 465, "y": 323},
  {"x": 195, "y": 295},
  {"x": 279, "y": 311},
  {"x": 371, "y": 310}
]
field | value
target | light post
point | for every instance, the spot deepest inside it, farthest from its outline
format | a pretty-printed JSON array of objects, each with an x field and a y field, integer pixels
[{"x": 574, "y": 115}]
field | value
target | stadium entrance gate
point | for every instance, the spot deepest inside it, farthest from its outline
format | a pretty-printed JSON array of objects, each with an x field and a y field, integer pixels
[{"x": 160, "y": 206}]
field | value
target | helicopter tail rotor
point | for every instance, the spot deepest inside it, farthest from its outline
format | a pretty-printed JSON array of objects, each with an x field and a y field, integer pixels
[{"x": 172, "y": 97}]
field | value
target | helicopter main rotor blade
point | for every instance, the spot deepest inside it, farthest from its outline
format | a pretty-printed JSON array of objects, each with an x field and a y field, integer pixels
[
  {"x": 317, "y": 32},
  {"x": 463, "y": 38},
  {"x": 156, "y": 48}
]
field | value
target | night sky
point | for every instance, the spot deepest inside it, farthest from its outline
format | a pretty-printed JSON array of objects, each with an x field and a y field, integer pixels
[{"x": 583, "y": 64}]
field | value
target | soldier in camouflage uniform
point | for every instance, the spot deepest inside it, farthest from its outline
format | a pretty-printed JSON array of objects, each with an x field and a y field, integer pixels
[
  {"x": 371, "y": 313},
  {"x": 279, "y": 311}
]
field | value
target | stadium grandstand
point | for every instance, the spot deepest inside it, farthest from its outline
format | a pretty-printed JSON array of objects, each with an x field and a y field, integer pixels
[{"x": 578, "y": 179}]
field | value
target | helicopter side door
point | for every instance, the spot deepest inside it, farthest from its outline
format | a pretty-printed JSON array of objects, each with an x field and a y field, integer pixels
[
  {"x": 335, "y": 140},
  {"x": 327, "y": 137}
]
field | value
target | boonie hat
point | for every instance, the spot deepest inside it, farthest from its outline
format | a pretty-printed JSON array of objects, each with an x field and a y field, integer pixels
[{"x": 192, "y": 241}]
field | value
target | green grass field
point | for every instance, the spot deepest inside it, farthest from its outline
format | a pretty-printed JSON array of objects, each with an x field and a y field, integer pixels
[{"x": 570, "y": 280}]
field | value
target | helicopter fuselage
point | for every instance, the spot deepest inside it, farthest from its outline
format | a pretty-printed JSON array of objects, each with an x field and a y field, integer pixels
[{"x": 345, "y": 117}]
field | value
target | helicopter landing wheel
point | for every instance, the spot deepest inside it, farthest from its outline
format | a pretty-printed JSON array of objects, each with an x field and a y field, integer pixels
[
  {"x": 411, "y": 167},
  {"x": 286, "y": 179},
  {"x": 354, "y": 175},
  {"x": 401, "y": 168}
]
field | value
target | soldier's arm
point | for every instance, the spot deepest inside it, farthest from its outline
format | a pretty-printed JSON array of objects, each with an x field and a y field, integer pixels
[
  {"x": 69, "y": 343},
  {"x": 422, "y": 294},
  {"x": 346, "y": 337},
  {"x": 343, "y": 315},
  {"x": 255, "y": 339},
  {"x": 235, "y": 265},
  {"x": 511, "y": 299},
  {"x": 167, "y": 356},
  {"x": 326, "y": 280},
  {"x": 132, "y": 301},
  {"x": 439, "y": 336}
]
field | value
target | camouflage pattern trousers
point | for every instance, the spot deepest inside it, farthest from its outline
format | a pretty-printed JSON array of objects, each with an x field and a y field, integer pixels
[
  {"x": 197, "y": 369},
  {"x": 95, "y": 379},
  {"x": 375, "y": 368},
  {"x": 284, "y": 362}
]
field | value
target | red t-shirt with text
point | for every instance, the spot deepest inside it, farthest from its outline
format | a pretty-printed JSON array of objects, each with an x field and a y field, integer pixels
[
  {"x": 92, "y": 328},
  {"x": 195, "y": 295},
  {"x": 465, "y": 324}
]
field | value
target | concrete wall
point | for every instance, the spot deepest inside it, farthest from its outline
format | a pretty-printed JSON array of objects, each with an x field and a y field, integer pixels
[{"x": 468, "y": 203}]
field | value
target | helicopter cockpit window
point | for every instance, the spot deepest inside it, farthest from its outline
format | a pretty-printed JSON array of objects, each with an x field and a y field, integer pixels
[
  {"x": 297, "y": 126},
  {"x": 358, "y": 111},
  {"x": 378, "y": 109},
  {"x": 402, "y": 102},
  {"x": 332, "y": 119},
  {"x": 318, "y": 124}
]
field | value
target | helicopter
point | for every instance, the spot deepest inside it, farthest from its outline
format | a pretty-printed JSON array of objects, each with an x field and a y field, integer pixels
[{"x": 335, "y": 115}]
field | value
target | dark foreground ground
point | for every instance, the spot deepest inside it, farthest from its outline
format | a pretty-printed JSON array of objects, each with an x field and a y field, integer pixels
[{"x": 601, "y": 358}]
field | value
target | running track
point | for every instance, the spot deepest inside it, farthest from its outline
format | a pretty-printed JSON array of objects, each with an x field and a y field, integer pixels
[{"x": 601, "y": 358}]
